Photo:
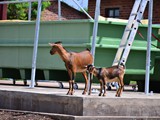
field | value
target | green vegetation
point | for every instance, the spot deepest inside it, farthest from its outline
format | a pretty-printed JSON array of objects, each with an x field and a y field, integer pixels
[{"x": 20, "y": 10}]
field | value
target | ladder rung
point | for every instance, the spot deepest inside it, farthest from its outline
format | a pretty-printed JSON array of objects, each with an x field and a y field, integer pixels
[
  {"x": 139, "y": 21},
  {"x": 122, "y": 46},
  {"x": 130, "y": 32},
  {"x": 133, "y": 14},
  {"x": 117, "y": 61},
  {"x": 129, "y": 29}
]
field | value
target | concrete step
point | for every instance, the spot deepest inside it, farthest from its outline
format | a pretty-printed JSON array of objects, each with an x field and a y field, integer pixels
[
  {"x": 132, "y": 105},
  {"x": 72, "y": 117}
]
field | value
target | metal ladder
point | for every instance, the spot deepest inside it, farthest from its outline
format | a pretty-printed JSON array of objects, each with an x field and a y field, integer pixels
[{"x": 130, "y": 32}]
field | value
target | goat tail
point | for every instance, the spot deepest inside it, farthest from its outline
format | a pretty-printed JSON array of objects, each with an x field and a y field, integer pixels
[{"x": 88, "y": 49}]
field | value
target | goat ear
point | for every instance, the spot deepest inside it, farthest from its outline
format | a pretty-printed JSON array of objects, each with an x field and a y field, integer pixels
[
  {"x": 58, "y": 42},
  {"x": 51, "y": 44}
]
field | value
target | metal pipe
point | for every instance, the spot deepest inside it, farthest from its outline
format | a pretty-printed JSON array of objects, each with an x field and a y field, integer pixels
[
  {"x": 34, "y": 57},
  {"x": 95, "y": 29},
  {"x": 20, "y": 1},
  {"x": 83, "y": 9},
  {"x": 148, "y": 54},
  {"x": 29, "y": 11},
  {"x": 59, "y": 9}
]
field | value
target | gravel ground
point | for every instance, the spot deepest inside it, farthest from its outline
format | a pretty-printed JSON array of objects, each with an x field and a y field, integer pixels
[{"x": 11, "y": 115}]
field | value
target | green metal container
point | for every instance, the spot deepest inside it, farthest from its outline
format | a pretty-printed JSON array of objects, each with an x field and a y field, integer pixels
[{"x": 17, "y": 39}]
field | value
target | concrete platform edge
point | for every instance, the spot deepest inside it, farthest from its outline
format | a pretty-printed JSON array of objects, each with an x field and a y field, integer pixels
[{"x": 72, "y": 117}]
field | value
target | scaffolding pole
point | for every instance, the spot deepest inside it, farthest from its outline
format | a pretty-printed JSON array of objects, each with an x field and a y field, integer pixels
[
  {"x": 148, "y": 54},
  {"x": 29, "y": 11},
  {"x": 59, "y": 9},
  {"x": 82, "y": 9},
  {"x": 34, "y": 57},
  {"x": 21, "y": 1},
  {"x": 95, "y": 29}
]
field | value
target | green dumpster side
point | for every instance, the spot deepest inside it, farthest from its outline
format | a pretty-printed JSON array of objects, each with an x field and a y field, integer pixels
[{"x": 17, "y": 39}]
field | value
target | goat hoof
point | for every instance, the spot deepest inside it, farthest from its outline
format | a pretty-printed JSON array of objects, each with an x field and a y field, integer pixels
[
  {"x": 104, "y": 95},
  {"x": 117, "y": 95},
  {"x": 68, "y": 93},
  {"x": 72, "y": 93},
  {"x": 83, "y": 93},
  {"x": 99, "y": 94}
]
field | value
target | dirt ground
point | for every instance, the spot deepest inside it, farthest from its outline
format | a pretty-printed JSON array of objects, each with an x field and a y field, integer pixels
[{"x": 11, "y": 115}]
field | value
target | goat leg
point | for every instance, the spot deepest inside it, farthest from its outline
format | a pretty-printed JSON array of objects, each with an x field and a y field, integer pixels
[
  {"x": 118, "y": 90},
  {"x": 91, "y": 78},
  {"x": 72, "y": 82},
  {"x": 121, "y": 86},
  {"x": 70, "y": 87},
  {"x": 86, "y": 82},
  {"x": 101, "y": 84},
  {"x": 104, "y": 87}
]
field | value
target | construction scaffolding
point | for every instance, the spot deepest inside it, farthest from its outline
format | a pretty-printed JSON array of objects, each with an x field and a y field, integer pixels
[
  {"x": 124, "y": 48},
  {"x": 37, "y": 28}
]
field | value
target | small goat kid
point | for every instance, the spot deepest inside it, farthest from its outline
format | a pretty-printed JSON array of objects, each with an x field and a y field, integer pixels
[
  {"x": 74, "y": 62},
  {"x": 110, "y": 74}
]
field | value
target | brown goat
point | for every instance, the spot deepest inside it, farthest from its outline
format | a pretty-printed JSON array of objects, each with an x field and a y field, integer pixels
[
  {"x": 110, "y": 74},
  {"x": 74, "y": 62}
]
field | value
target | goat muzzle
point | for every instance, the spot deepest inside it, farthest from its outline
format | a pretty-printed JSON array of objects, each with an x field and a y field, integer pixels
[{"x": 51, "y": 52}]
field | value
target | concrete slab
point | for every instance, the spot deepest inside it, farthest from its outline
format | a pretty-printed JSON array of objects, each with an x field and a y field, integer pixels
[{"x": 83, "y": 107}]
